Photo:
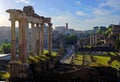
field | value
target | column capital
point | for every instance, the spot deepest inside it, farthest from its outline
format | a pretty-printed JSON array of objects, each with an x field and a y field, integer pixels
[
  {"x": 37, "y": 24},
  {"x": 12, "y": 20},
  {"x": 41, "y": 24},
  {"x": 50, "y": 24},
  {"x": 23, "y": 19},
  {"x": 32, "y": 24}
]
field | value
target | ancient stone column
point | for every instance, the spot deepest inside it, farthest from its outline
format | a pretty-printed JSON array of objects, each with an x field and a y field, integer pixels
[
  {"x": 33, "y": 40},
  {"x": 42, "y": 38},
  {"x": 27, "y": 37},
  {"x": 49, "y": 38},
  {"x": 37, "y": 39},
  {"x": 91, "y": 39},
  {"x": 24, "y": 25},
  {"x": 20, "y": 40},
  {"x": 96, "y": 39},
  {"x": 13, "y": 41}
]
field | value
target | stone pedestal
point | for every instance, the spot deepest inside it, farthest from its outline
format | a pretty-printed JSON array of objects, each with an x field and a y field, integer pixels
[{"x": 19, "y": 70}]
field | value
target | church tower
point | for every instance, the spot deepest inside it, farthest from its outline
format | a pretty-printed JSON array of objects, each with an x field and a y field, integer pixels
[{"x": 66, "y": 25}]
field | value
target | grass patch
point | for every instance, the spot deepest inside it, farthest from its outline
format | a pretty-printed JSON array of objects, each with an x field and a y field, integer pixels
[
  {"x": 39, "y": 58},
  {"x": 116, "y": 64},
  {"x": 54, "y": 54},
  {"x": 78, "y": 60},
  {"x": 112, "y": 54},
  {"x": 101, "y": 60},
  {"x": 45, "y": 51},
  {"x": 4, "y": 75},
  {"x": 97, "y": 60},
  {"x": 87, "y": 58}
]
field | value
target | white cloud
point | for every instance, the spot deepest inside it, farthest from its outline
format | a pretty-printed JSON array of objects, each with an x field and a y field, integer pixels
[
  {"x": 80, "y": 13},
  {"x": 77, "y": 3},
  {"x": 23, "y": 1},
  {"x": 73, "y": 21},
  {"x": 62, "y": 19},
  {"x": 57, "y": 11},
  {"x": 111, "y": 3},
  {"x": 86, "y": 24},
  {"x": 99, "y": 11},
  {"x": 4, "y": 20},
  {"x": 104, "y": 21}
]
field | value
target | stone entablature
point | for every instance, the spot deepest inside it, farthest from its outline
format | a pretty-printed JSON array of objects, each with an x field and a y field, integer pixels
[{"x": 16, "y": 14}]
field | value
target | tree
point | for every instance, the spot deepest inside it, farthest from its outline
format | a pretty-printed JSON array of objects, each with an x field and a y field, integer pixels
[
  {"x": 6, "y": 41},
  {"x": 1, "y": 50},
  {"x": 108, "y": 31},
  {"x": 6, "y": 48},
  {"x": 71, "y": 39}
]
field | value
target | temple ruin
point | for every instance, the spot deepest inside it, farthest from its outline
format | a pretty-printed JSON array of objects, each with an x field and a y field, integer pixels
[{"x": 37, "y": 38}]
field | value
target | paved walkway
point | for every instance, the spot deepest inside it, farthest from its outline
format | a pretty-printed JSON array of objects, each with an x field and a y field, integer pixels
[
  {"x": 67, "y": 58},
  {"x": 6, "y": 56}
]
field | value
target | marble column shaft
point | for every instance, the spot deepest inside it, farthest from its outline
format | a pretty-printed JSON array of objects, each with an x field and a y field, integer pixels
[
  {"x": 13, "y": 41},
  {"x": 37, "y": 39},
  {"x": 33, "y": 40},
  {"x": 20, "y": 40},
  {"x": 96, "y": 38},
  {"x": 49, "y": 38},
  {"x": 24, "y": 26},
  {"x": 42, "y": 38}
]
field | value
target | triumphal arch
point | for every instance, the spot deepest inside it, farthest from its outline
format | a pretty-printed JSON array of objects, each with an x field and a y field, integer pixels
[{"x": 35, "y": 39}]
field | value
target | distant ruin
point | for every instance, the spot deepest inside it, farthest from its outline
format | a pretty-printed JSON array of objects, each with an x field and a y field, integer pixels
[{"x": 37, "y": 38}]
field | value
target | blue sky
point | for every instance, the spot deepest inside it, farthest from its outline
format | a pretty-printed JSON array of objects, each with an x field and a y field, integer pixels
[{"x": 80, "y": 14}]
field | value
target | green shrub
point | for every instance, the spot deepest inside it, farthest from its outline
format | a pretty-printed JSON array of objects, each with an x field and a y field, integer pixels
[
  {"x": 5, "y": 48},
  {"x": 4, "y": 75}
]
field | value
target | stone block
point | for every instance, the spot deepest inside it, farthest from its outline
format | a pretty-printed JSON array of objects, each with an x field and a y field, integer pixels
[{"x": 19, "y": 70}]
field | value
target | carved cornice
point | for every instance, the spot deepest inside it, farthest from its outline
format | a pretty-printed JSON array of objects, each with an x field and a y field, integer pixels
[{"x": 29, "y": 14}]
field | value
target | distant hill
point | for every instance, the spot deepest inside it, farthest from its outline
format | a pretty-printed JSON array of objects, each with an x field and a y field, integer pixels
[{"x": 5, "y": 34}]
